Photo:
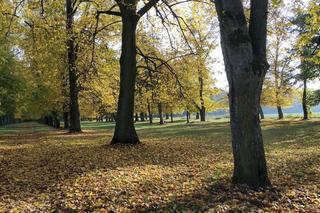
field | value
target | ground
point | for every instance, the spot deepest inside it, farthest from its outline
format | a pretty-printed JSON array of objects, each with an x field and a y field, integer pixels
[{"x": 178, "y": 168}]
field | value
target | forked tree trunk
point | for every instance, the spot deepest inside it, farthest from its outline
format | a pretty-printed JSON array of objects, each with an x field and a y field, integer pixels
[
  {"x": 280, "y": 113},
  {"x": 125, "y": 132},
  {"x": 304, "y": 100},
  {"x": 244, "y": 51},
  {"x": 75, "y": 125}
]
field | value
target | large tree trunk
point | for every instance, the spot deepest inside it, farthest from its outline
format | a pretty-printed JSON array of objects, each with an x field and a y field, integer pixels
[
  {"x": 125, "y": 132},
  {"x": 304, "y": 100},
  {"x": 75, "y": 125},
  {"x": 280, "y": 113},
  {"x": 160, "y": 113},
  {"x": 244, "y": 52}
]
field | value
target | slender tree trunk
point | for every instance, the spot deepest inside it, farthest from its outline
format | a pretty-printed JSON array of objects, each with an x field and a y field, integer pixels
[
  {"x": 244, "y": 51},
  {"x": 171, "y": 116},
  {"x": 75, "y": 125},
  {"x": 150, "y": 113},
  {"x": 261, "y": 112},
  {"x": 66, "y": 120},
  {"x": 160, "y": 113},
  {"x": 280, "y": 113},
  {"x": 167, "y": 116},
  {"x": 203, "y": 109},
  {"x": 304, "y": 100},
  {"x": 136, "y": 117},
  {"x": 125, "y": 132},
  {"x": 142, "y": 118},
  {"x": 188, "y": 117},
  {"x": 197, "y": 116}
]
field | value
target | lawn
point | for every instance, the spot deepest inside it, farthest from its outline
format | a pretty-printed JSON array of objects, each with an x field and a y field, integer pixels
[{"x": 178, "y": 167}]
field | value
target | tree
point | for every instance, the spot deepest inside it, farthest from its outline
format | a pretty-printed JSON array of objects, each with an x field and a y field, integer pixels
[
  {"x": 75, "y": 125},
  {"x": 278, "y": 86},
  {"x": 244, "y": 51},
  {"x": 125, "y": 132}
]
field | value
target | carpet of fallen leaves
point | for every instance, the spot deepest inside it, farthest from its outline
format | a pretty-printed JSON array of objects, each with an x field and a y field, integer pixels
[{"x": 178, "y": 168}]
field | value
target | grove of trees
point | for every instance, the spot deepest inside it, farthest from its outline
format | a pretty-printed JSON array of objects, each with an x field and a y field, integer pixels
[{"x": 129, "y": 61}]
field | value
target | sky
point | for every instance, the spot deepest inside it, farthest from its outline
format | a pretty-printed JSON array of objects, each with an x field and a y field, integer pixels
[{"x": 219, "y": 74}]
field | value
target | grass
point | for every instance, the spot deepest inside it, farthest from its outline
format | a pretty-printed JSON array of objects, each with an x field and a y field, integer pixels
[{"x": 179, "y": 167}]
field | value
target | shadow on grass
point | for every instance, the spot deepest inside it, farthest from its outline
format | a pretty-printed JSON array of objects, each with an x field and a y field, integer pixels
[{"x": 50, "y": 158}]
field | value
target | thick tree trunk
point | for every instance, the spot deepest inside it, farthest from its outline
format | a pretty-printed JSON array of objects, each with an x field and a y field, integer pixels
[
  {"x": 160, "y": 113},
  {"x": 171, "y": 116},
  {"x": 304, "y": 100},
  {"x": 75, "y": 125},
  {"x": 125, "y": 132},
  {"x": 280, "y": 113},
  {"x": 261, "y": 112},
  {"x": 244, "y": 52},
  {"x": 136, "y": 117}
]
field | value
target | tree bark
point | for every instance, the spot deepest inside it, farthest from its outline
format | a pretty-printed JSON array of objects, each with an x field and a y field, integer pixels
[
  {"x": 261, "y": 112},
  {"x": 142, "y": 118},
  {"x": 304, "y": 100},
  {"x": 244, "y": 51},
  {"x": 160, "y": 113},
  {"x": 150, "y": 113},
  {"x": 203, "y": 109},
  {"x": 188, "y": 117},
  {"x": 197, "y": 116},
  {"x": 203, "y": 113},
  {"x": 280, "y": 113},
  {"x": 167, "y": 116},
  {"x": 125, "y": 132},
  {"x": 75, "y": 125}
]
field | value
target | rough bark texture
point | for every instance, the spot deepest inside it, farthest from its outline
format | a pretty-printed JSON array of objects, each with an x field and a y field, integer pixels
[
  {"x": 125, "y": 132},
  {"x": 75, "y": 125},
  {"x": 280, "y": 113},
  {"x": 244, "y": 51},
  {"x": 304, "y": 100}
]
